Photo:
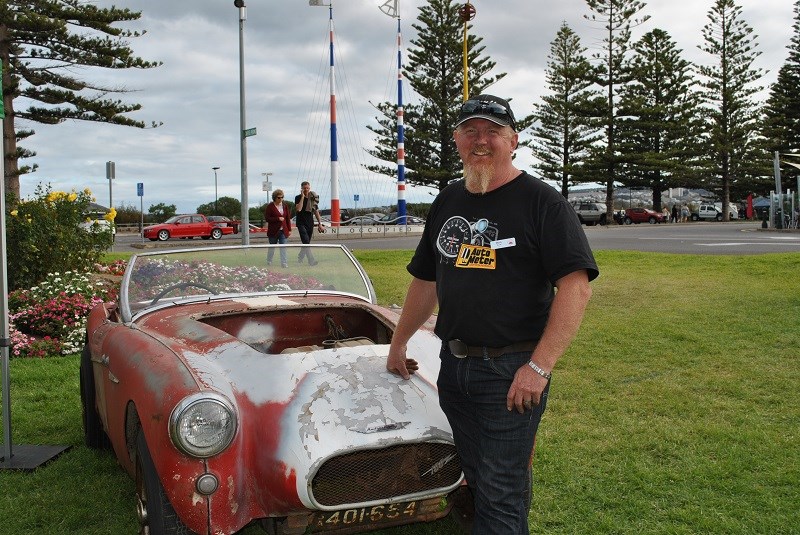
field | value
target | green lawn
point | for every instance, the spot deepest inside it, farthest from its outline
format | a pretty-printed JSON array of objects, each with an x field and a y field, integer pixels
[{"x": 676, "y": 411}]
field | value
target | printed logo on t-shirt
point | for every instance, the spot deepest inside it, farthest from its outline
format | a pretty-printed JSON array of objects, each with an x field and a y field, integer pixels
[
  {"x": 476, "y": 257},
  {"x": 458, "y": 231}
]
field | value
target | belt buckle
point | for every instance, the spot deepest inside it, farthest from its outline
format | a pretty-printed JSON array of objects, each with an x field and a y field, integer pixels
[{"x": 457, "y": 348}]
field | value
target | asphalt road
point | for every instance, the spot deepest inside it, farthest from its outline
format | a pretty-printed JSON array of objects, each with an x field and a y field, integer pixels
[{"x": 735, "y": 238}]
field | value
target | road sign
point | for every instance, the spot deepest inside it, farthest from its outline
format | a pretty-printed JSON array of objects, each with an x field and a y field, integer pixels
[
  {"x": 249, "y": 132},
  {"x": 266, "y": 186},
  {"x": 140, "y": 189},
  {"x": 355, "y": 197}
]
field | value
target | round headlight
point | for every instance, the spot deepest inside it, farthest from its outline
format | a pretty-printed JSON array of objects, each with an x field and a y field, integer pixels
[{"x": 202, "y": 425}]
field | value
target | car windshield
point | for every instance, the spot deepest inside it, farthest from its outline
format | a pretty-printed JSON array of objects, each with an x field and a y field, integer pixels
[
  {"x": 173, "y": 219},
  {"x": 159, "y": 278}
]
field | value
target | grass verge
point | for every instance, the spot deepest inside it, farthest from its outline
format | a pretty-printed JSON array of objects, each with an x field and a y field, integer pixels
[{"x": 674, "y": 412}]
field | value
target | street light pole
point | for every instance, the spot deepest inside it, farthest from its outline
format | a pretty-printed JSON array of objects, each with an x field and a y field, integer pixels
[
  {"x": 242, "y": 138},
  {"x": 216, "y": 195}
]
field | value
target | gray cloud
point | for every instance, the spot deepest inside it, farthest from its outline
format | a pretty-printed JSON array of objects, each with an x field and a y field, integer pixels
[{"x": 196, "y": 92}]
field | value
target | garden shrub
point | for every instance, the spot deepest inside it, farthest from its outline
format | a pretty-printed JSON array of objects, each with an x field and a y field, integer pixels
[{"x": 44, "y": 236}]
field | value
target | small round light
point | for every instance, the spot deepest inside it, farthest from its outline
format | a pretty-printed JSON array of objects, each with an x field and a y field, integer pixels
[
  {"x": 207, "y": 484},
  {"x": 203, "y": 425}
]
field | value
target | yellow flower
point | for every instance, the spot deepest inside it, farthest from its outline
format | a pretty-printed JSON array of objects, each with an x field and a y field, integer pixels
[
  {"x": 14, "y": 213},
  {"x": 111, "y": 215},
  {"x": 87, "y": 191},
  {"x": 72, "y": 196}
]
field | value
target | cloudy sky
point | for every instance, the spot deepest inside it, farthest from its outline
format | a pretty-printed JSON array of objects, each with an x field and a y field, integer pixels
[{"x": 195, "y": 93}]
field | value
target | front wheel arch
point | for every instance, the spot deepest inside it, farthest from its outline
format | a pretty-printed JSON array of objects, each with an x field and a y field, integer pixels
[{"x": 154, "y": 511}]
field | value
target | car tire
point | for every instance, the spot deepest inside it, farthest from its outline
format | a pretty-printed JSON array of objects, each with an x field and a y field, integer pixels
[
  {"x": 719, "y": 217},
  {"x": 695, "y": 217},
  {"x": 93, "y": 434},
  {"x": 651, "y": 220},
  {"x": 627, "y": 221},
  {"x": 163, "y": 235},
  {"x": 156, "y": 515},
  {"x": 216, "y": 233}
]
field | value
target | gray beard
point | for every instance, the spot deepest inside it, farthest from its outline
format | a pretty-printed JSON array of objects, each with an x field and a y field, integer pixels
[{"x": 478, "y": 177}]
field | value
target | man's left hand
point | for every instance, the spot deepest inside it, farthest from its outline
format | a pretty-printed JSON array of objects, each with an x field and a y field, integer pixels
[{"x": 526, "y": 390}]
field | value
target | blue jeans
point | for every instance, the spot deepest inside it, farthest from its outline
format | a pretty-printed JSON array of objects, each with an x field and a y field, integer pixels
[
  {"x": 494, "y": 444},
  {"x": 280, "y": 238}
]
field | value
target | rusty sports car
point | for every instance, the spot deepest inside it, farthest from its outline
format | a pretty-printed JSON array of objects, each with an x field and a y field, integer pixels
[{"x": 238, "y": 394}]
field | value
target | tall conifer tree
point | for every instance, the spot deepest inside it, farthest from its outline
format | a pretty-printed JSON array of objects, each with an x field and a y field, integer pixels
[
  {"x": 562, "y": 132},
  {"x": 728, "y": 86},
  {"x": 41, "y": 44},
  {"x": 617, "y": 17},
  {"x": 782, "y": 110},
  {"x": 659, "y": 138}
]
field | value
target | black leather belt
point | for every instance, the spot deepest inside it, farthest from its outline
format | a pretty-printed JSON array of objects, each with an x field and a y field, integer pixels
[{"x": 460, "y": 349}]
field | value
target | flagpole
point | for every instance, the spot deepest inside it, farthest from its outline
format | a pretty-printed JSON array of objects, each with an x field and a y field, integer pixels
[
  {"x": 464, "y": 55},
  {"x": 335, "y": 214},
  {"x": 401, "y": 149},
  {"x": 467, "y": 13},
  {"x": 335, "y": 206}
]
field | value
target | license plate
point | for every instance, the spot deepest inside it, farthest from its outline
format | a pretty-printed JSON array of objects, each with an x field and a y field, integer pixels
[{"x": 376, "y": 514}]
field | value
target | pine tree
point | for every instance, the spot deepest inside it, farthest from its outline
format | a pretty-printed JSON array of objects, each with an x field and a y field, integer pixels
[
  {"x": 434, "y": 71},
  {"x": 617, "y": 18},
  {"x": 782, "y": 110},
  {"x": 40, "y": 51},
  {"x": 660, "y": 137},
  {"x": 728, "y": 85},
  {"x": 563, "y": 133}
]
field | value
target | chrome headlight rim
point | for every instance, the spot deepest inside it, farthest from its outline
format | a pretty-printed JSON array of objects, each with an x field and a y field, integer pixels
[{"x": 186, "y": 407}]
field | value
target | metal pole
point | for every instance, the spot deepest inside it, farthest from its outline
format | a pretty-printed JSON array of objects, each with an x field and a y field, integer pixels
[
  {"x": 216, "y": 195},
  {"x": 5, "y": 332},
  {"x": 777, "y": 164},
  {"x": 242, "y": 138}
]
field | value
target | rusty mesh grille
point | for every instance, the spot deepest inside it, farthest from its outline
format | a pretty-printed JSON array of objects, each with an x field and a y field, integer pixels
[{"x": 378, "y": 474}]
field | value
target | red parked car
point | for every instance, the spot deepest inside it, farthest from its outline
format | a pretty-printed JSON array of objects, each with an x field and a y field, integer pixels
[
  {"x": 186, "y": 226},
  {"x": 642, "y": 215}
]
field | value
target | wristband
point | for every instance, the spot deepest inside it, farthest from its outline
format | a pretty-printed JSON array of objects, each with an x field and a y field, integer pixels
[{"x": 540, "y": 371}]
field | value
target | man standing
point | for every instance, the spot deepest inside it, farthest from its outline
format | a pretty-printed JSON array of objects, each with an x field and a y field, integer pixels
[
  {"x": 504, "y": 257},
  {"x": 306, "y": 206}
]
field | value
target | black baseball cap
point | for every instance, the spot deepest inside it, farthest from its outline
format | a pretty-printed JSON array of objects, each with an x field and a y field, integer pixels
[{"x": 487, "y": 107}]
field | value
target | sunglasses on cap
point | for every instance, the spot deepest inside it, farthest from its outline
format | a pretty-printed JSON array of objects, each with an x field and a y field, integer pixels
[{"x": 487, "y": 107}]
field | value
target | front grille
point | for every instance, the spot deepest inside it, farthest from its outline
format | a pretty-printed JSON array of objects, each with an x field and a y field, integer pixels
[{"x": 379, "y": 474}]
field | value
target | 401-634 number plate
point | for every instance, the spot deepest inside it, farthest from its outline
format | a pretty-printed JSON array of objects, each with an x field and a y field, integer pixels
[{"x": 376, "y": 514}]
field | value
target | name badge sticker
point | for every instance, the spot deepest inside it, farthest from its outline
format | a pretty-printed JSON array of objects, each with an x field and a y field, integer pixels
[{"x": 502, "y": 244}]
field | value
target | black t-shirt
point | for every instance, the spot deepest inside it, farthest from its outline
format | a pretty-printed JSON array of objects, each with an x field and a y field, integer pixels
[{"x": 495, "y": 259}]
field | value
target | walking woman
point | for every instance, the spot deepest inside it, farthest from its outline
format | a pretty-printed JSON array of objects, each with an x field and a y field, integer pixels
[{"x": 279, "y": 225}]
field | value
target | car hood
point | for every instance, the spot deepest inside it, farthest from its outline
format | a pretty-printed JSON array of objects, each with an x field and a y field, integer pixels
[{"x": 297, "y": 410}]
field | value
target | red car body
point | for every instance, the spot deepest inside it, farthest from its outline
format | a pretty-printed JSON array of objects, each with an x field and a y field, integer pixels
[
  {"x": 236, "y": 393},
  {"x": 186, "y": 226},
  {"x": 642, "y": 215}
]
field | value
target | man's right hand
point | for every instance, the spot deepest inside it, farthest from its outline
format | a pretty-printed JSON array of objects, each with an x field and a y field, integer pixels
[{"x": 398, "y": 364}]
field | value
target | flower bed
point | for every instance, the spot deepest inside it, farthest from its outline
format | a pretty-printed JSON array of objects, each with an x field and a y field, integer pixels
[{"x": 50, "y": 318}]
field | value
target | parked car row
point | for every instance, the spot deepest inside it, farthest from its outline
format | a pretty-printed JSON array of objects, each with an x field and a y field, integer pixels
[
  {"x": 384, "y": 219},
  {"x": 592, "y": 213}
]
